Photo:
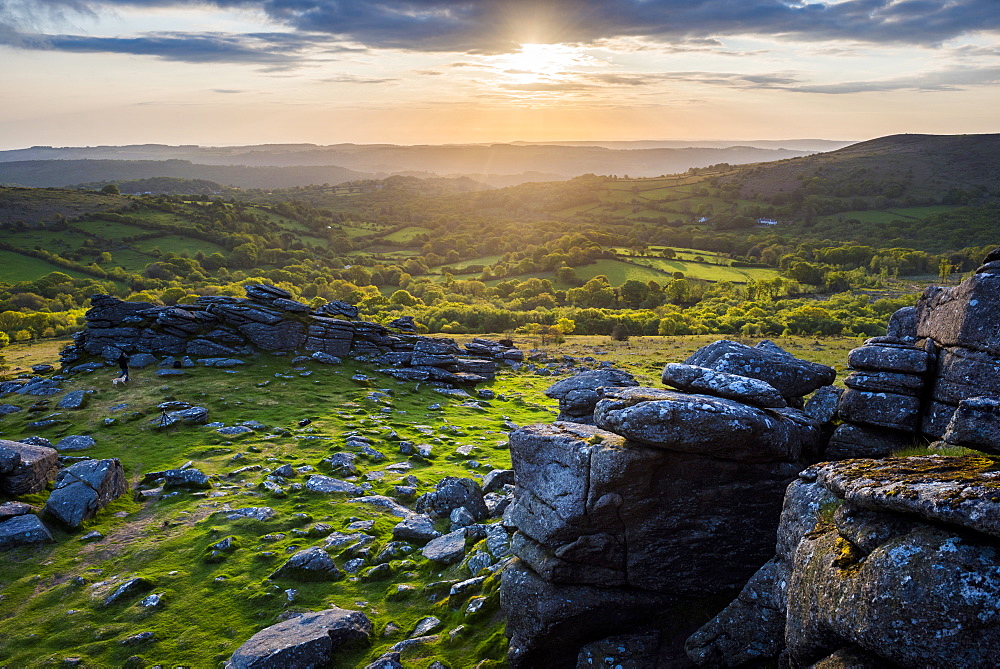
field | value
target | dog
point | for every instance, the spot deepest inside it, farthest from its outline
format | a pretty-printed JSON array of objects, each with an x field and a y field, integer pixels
[{"x": 119, "y": 379}]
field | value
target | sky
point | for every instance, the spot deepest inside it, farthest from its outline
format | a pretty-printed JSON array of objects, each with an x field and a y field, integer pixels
[{"x": 235, "y": 72}]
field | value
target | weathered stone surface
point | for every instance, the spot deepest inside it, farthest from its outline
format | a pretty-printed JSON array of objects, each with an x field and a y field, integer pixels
[
  {"x": 327, "y": 484},
  {"x": 593, "y": 508},
  {"x": 418, "y": 528},
  {"x": 903, "y": 325},
  {"x": 963, "y": 373},
  {"x": 282, "y": 336},
  {"x": 75, "y": 399},
  {"x": 865, "y": 441},
  {"x": 578, "y": 395},
  {"x": 935, "y": 419},
  {"x": 822, "y": 405},
  {"x": 889, "y": 358},
  {"x": 926, "y": 598},
  {"x": 10, "y": 509},
  {"x": 311, "y": 564},
  {"x": 180, "y": 478},
  {"x": 266, "y": 292},
  {"x": 964, "y": 315},
  {"x": 886, "y": 382},
  {"x": 9, "y": 459},
  {"x": 959, "y": 491},
  {"x": 36, "y": 467},
  {"x": 338, "y": 308},
  {"x": 548, "y": 623},
  {"x": 188, "y": 416},
  {"x": 75, "y": 442},
  {"x": 900, "y": 412},
  {"x": 976, "y": 424},
  {"x": 84, "y": 488},
  {"x": 703, "y": 380},
  {"x": 446, "y": 549},
  {"x": 310, "y": 640},
  {"x": 765, "y": 361},
  {"x": 451, "y": 493},
  {"x": 23, "y": 530},
  {"x": 710, "y": 426}
]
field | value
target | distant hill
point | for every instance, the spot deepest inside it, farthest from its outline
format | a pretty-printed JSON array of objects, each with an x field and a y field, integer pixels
[
  {"x": 36, "y": 205},
  {"x": 917, "y": 166},
  {"x": 495, "y": 164},
  {"x": 160, "y": 186},
  {"x": 47, "y": 173}
]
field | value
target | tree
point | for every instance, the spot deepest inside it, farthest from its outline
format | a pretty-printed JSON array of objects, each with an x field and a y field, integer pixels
[{"x": 111, "y": 189}]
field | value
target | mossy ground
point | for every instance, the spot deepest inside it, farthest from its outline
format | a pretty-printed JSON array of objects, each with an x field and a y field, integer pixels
[{"x": 51, "y": 603}]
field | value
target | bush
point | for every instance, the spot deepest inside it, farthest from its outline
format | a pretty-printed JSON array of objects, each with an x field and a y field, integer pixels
[{"x": 620, "y": 332}]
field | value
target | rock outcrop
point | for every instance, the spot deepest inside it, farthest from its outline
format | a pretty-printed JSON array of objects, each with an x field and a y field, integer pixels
[
  {"x": 579, "y": 394},
  {"x": 269, "y": 320},
  {"x": 658, "y": 505},
  {"x": 896, "y": 559},
  {"x": 26, "y": 468}
]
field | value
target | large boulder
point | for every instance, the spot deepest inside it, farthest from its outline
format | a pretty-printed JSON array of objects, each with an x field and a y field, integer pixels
[
  {"x": 452, "y": 493},
  {"x": 896, "y": 559},
  {"x": 865, "y": 441},
  {"x": 964, "y": 315},
  {"x": 890, "y": 358},
  {"x": 23, "y": 530},
  {"x": 710, "y": 426},
  {"x": 899, "y": 412},
  {"x": 765, "y": 361},
  {"x": 693, "y": 379},
  {"x": 282, "y": 336},
  {"x": 310, "y": 640},
  {"x": 976, "y": 424},
  {"x": 311, "y": 564},
  {"x": 610, "y": 531},
  {"x": 578, "y": 394},
  {"x": 36, "y": 466},
  {"x": 84, "y": 488},
  {"x": 964, "y": 372}
]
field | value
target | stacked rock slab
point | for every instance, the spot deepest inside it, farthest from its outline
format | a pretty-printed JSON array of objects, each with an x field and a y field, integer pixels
[
  {"x": 883, "y": 403},
  {"x": 578, "y": 394},
  {"x": 964, "y": 323},
  {"x": 891, "y": 562},
  {"x": 269, "y": 320},
  {"x": 660, "y": 504}
]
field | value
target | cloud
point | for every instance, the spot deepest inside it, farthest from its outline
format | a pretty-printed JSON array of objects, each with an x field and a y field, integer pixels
[
  {"x": 353, "y": 79},
  {"x": 498, "y": 26},
  {"x": 942, "y": 80},
  {"x": 274, "y": 50}
]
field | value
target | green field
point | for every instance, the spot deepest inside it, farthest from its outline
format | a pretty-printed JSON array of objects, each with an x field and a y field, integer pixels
[
  {"x": 709, "y": 272},
  {"x": 109, "y": 230},
  {"x": 50, "y": 240},
  {"x": 131, "y": 260},
  {"x": 884, "y": 216},
  {"x": 16, "y": 267},
  {"x": 406, "y": 234},
  {"x": 178, "y": 244}
]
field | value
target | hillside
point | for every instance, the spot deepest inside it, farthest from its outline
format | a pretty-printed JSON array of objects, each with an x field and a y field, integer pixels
[
  {"x": 285, "y": 166},
  {"x": 45, "y": 173},
  {"x": 916, "y": 166}
]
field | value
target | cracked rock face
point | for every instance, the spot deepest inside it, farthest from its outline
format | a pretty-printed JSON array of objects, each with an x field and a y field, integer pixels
[
  {"x": 605, "y": 520},
  {"x": 84, "y": 488},
  {"x": 895, "y": 562}
]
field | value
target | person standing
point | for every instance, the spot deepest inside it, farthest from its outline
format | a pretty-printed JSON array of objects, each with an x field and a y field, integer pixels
[{"x": 123, "y": 363}]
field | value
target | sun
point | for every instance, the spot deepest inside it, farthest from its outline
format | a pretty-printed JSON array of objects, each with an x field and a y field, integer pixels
[{"x": 540, "y": 63}]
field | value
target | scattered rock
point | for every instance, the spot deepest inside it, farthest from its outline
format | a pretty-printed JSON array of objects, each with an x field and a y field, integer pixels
[
  {"x": 311, "y": 564},
  {"x": 84, "y": 488},
  {"x": 447, "y": 549},
  {"x": 22, "y": 530},
  {"x": 308, "y": 640},
  {"x": 75, "y": 442}
]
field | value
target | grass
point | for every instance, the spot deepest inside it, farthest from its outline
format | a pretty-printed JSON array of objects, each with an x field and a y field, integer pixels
[
  {"x": 708, "y": 271},
  {"x": 50, "y": 240},
  {"x": 109, "y": 230},
  {"x": 15, "y": 267},
  {"x": 52, "y": 609},
  {"x": 179, "y": 244},
  {"x": 407, "y": 234},
  {"x": 166, "y": 540}
]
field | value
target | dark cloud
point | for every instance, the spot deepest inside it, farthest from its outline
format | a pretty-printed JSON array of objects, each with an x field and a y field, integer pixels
[
  {"x": 493, "y": 26},
  {"x": 273, "y": 50}
]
